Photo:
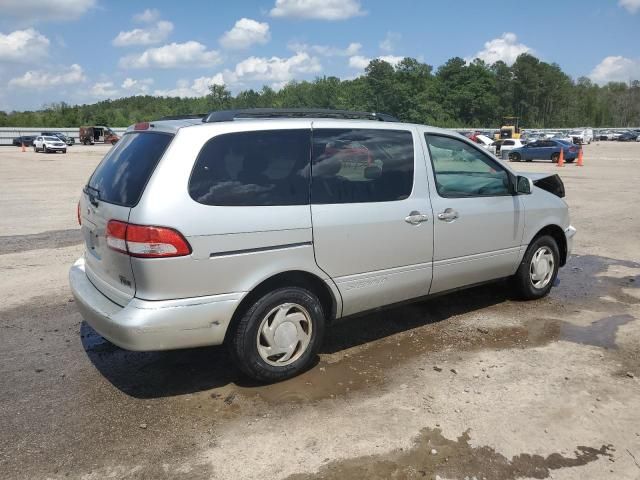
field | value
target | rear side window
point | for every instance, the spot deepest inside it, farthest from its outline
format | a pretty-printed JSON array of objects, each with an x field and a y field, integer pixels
[
  {"x": 124, "y": 172},
  {"x": 253, "y": 169},
  {"x": 356, "y": 166}
]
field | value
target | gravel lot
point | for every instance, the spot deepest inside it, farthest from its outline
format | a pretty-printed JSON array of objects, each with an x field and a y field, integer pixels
[{"x": 471, "y": 384}]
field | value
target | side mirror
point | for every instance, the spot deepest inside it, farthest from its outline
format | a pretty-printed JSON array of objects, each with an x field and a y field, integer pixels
[{"x": 524, "y": 185}]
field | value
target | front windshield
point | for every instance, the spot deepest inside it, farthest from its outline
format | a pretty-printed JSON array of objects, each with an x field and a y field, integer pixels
[{"x": 51, "y": 139}]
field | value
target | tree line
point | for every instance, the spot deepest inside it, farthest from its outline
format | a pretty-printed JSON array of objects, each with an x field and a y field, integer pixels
[{"x": 457, "y": 94}]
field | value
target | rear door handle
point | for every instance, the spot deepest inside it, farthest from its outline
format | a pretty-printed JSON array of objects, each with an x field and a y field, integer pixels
[
  {"x": 449, "y": 215},
  {"x": 416, "y": 218}
]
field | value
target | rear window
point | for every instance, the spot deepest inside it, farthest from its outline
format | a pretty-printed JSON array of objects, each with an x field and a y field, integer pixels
[
  {"x": 124, "y": 172},
  {"x": 253, "y": 169}
]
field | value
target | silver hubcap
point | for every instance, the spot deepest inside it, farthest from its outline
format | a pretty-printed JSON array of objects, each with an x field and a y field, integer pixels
[
  {"x": 284, "y": 334},
  {"x": 541, "y": 269}
]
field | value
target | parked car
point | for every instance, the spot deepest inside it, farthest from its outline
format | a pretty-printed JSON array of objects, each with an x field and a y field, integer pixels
[
  {"x": 97, "y": 134},
  {"x": 219, "y": 230},
  {"x": 564, "y": 137},
  {"x": 486, "y": 143},
  {"x": 629, "y": 136},
  {"x": 67, "y": 140},
  {"x": 26, "y": 140},
  {"x": 581, "y": 136},
  {"x": 548, "y": 149},
  {"x": 48, "y": 144},
  {"x": 509, "y": 144}
]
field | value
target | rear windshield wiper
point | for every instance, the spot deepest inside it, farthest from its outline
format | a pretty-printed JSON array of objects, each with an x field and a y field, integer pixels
[{"x": 93, "y": 193}]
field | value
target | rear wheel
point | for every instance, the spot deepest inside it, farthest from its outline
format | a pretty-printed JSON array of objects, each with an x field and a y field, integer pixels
[
  {"x": 279, "y": 335},
  {"x": 538, "y": 269},
  {"x": 555, "y": 157},
  {"x": 570, "y": 160}
]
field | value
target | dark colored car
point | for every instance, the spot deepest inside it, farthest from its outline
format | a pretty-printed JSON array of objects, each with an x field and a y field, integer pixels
[
  {"x": 61, "y": 136},
  {"x": 548, "y": 149},
  {"x": 629, "y": 136},
  {"x": 26, "y": 140}
]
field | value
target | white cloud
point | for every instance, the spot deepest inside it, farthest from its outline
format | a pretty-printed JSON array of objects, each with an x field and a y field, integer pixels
[
  {"x": 505, "y": 48},
  {"x": 276, "y": 69},
  {"x": 633, "y": 6},
  {"x": 46, "y": 10},
  {"x": 616, "y": 69},
  {"x": 317, "y": 9},
  {"x": 144, "y": 36},
  {"x": 137, "y": 86},
  {"x": 130, "y": 86},
  {"x": 360, "y": 62},
  {"x": 197, "y": 88},
  {"x": 103, "y": 90},
  {"x": 23, "y": 45},
  {"x": 246, "y": 32},
  {"x": 325, "y": 50},
  {"x": 150, "y": 15},
  {"x": 389, "y": 43},
  {"x": 173, "y": 55},
  {"x": 39, "y": 79}
]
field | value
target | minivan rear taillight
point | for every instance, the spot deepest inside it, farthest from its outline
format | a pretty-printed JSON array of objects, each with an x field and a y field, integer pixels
[{"x": 146, "y": 241}]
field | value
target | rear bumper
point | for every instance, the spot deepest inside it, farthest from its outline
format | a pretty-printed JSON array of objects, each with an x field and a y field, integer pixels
[
  {"x": 569, "y": 233},
  {"x": 153, "y": 325}
]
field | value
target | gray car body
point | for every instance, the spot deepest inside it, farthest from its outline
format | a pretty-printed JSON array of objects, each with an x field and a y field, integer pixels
[{"x": 361, "y": 255}]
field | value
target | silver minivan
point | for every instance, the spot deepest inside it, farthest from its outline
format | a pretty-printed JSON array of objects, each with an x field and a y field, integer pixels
[{"x": 258, "y": 228}]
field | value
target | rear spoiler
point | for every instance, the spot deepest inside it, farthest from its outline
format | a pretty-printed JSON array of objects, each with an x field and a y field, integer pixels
[{"x": 551, "y": 182}]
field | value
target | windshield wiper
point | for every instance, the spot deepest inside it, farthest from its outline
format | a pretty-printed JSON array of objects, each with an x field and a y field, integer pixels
[{"x": 93, "y": 197}]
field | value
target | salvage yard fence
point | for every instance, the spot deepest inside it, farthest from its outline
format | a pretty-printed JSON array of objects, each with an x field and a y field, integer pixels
[{"x": 7, "y": 134}]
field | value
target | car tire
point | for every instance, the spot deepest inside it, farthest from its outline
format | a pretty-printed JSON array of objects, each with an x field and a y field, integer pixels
[
  {"x": 515, "y": 157},
  {"x": 304, "y": 333},
  {"x": 538, "y": 270},
  {"x": 555, "y": 157},
  {"x": 64, "y": 151},
  {"x": 35, "y": 149},
  {"x": 570, "y": 160}
]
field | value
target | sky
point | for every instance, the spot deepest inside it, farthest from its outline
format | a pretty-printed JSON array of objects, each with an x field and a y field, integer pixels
[{"x": 83, "y": 51}]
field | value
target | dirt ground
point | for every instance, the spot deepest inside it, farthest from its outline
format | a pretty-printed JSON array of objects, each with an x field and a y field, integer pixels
[{"x": 468, "y": 385}]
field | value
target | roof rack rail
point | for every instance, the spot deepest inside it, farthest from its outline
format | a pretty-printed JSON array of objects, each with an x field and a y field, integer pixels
[
  {"x": 183, "y": 117},
  {"x": 230, "y": 115}
]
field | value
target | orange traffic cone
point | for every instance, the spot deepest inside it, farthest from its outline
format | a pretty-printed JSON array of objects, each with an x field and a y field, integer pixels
[
  {"x": 561, "y": 159},
  {"x": 23, "y": 149},
  {"x": 580, "y": 160}
]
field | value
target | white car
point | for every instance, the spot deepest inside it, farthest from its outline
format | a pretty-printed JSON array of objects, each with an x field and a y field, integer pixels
[
  {"x": 49, "y": 144},
  {"x": 581, "y": 136},
  {"x": 509, "y": 144},
  {"x": 486, "y": 143}
]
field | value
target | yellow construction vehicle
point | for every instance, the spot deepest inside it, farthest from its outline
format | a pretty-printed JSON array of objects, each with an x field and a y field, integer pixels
[{"x": 510, "y": 128}]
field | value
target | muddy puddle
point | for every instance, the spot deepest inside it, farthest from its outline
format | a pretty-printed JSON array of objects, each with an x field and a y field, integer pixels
[
  {"x": 433, "y": 454},
  {"x": 362, "y": 352}
]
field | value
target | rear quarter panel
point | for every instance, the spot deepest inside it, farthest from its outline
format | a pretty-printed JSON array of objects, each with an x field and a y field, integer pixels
[{"x": 234, "y": 248}]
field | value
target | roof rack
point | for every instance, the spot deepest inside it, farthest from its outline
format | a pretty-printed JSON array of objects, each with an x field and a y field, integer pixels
[
  {"x": 230, "y": 115},
  {"x": 183, "y": 117}
]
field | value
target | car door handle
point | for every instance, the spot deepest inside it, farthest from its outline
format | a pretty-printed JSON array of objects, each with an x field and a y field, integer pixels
[
  {"x": 416, "y": 218},
  {"x": 449, "y": 215}
]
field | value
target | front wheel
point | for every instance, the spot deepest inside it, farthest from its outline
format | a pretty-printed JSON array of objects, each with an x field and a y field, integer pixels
[
  {"x": 279, "y": 335},
  {"x": 538, "y": 269},
  {"x": 515, "y": 157},
  {"x": 64, "y": 151}
]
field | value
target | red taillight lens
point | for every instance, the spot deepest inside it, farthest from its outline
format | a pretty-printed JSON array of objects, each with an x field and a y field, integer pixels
[
  {"x": 572, "y": 149},
  {"x": 117, "y": 236},
  {"x": 146, "y": 241},
  {"x": 79, "y": 217}
]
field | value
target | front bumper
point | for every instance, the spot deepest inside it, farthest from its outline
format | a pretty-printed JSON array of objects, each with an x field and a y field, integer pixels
[
  {"x": 569, "y": 233},
  {"x": 143, "y": 325}
]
